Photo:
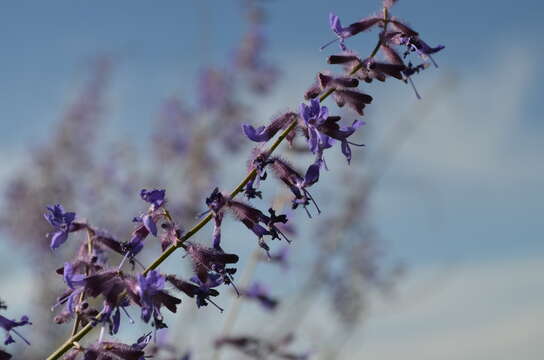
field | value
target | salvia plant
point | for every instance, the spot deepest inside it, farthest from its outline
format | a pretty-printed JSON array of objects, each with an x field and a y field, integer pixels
[{"x": 106, "y": 284}]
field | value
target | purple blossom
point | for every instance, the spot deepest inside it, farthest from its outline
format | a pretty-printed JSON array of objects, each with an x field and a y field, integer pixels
[
  {"x": 115, "y": 287},
  {"x": 265, "y": 133},
  {"x": 258, "y": 162},
  {"x": 414, "y": 43},
  {"x": 10, "y": 325},
  {"x": 61, "y": 222},
  {"x": 313, "y": 116},
  {"x": 155, "y": 197},
  {"x": 324, "y": 129},
  {"x": 152, "y": 297},
  {"x": 296, "y": 183},
  {"x": 149, "y": 224},
  {"x": 136, "y": 242},
  {"x": 343, "y": 33},
  {"x": 258, "y": 222},
  {"x": 215, "y": 202}
]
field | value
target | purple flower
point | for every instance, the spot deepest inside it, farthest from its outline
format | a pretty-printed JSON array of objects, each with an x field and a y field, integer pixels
[
  {"x": 149, "y": 224},
  {"x": 344, "y": 32},
  {"x": 258, "y": 222},
  {"x": 148, "y": 286},
  {"x": 136, "y": 242},
  {"x": 152, "y": 297},
  {"x": 61, "y": 221},
  {"x": 296, "y": 183},
  {"x": 10, "y": 325},
  {"x": 258, "y": 162},
  {"x": 72, "y": 279},
  {"x": 216, "y": 201},
  {"x": 115, "y": 287},
  {"x": 324, "y": 129},
  {"x": 155, "y": 197},
  {"x": 394, "y": 58},
  {"x": 331, "y": 128},
  {"x": 265, "y": 133},
  {"x": 341, "y": 33},
  {"x": 313, "y": 116}
]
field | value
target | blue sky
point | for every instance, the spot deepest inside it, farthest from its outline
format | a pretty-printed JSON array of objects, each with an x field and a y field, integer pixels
[{"x": 464, "y": 191}]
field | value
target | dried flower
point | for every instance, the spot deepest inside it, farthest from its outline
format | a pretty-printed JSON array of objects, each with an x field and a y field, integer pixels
[
  {"x": 296, "y": 183},
  {"x": 201, "y": 290},
  {"x": 208, "y": 261}
]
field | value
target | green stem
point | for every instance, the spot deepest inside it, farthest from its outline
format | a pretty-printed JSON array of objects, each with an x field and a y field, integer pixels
[
  {"x": 70, "y": 342},
  {"x": 82, "y": 296}
]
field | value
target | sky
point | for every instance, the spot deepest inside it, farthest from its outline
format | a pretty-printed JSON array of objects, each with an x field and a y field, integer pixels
[{"x": 461, "y": 200}]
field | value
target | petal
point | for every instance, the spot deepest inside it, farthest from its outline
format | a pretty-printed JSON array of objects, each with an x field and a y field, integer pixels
[
  {"x": 312, "y": 141},
  {"x": 312, "y": 174},
  {"x": 257, "y": 135},
  {"x": 58, "y": 239},
  {"x": 150, "y": 224},
  {"x": 116, "y": 320}
]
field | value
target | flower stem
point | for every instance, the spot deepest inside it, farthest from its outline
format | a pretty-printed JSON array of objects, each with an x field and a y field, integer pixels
[{"x": 82, "y": 296}]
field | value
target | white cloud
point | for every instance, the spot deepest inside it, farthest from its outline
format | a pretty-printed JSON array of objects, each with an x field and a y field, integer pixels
[
  {"x": 479, "y": 311},
  {"x": 475, "y": 133}
]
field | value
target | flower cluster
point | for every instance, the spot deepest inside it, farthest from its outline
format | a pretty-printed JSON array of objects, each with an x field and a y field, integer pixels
[{"x": 91, "y": 275}]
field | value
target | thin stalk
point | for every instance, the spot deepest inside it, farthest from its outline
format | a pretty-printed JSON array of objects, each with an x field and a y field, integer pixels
[{"x": 82, "y": 296}]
